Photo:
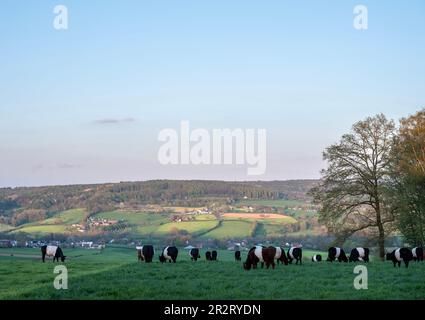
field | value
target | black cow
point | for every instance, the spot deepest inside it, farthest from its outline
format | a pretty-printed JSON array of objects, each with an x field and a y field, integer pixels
[
  {"x": 169, "y": 254},
  {"x": 145, "y": 253},
  {"x": 337, "y": 254},
  {"x": 316, "y": 258},
  {"x": 359, "y": 254},
  {"x": 52, "y": 251},
  {"x": 214, "y": 255},
  {"x": 237, "y": 255},
  {"x": 400, "y": 254},
  {"x": 295, "y": 254},
  {"x": 418, "y": 254},
  {"x": 194, "y": 254},
  {"x": 208, "y": 255}
]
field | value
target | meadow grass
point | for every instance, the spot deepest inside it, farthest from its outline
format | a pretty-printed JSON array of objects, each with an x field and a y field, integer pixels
[
  {"x": 116, "y": 274},
  {"x": 230, "y": 229}
]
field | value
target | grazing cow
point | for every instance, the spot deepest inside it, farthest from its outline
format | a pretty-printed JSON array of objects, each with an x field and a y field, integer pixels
[
  {"x": 208, "y": 255},
  {"x": 194, "y": 254},
  {"x": 418, "y": 254},
  {"x": 359, "y": 254},
  {"x": 296, "y": 254},
  {"x": 52, "y": 251},
  {"x": 260, "y": 254},
  {"x": 214, "y": 256},
  {"x": 336, "y": 254},
  {"x": 237, "y": 255},
  {"x": 169, "y": 254},
  {"x": 281, "y": 256},
  {"x": 400, "y": 254},
  {"x": 316, "y": 258},
  {"x": 145, "y": 253}
]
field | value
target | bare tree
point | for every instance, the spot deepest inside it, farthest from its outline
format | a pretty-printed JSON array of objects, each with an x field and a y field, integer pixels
[{"x": 352, "y": 193}]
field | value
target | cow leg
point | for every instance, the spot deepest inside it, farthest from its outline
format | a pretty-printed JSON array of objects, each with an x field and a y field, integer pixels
[
  {"x": 273, "y": 265},
  {"x": 262, "y": 265},
  {"x": 406, "y": 262},
  {"x": 43, "y": 257}
]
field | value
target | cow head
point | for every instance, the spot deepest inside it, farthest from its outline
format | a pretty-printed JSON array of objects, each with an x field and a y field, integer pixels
[
  {"x": 63, "y": 258},
  {"x": 161, "y": 258},
  {"x": 247, "y": 265},
  {"x": 388, "y": 256}
]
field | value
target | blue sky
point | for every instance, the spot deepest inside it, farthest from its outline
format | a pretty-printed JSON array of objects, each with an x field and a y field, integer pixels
[{"x": 298, "y": 69}]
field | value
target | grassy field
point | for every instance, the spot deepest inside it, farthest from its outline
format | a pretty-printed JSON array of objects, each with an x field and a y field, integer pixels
[
  {"x": 4, "y": 227},
  {"x": 116, "y": 274},
  {"x": 231, "y": 225}
]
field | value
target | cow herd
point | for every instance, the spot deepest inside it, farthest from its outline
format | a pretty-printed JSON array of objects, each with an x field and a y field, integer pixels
[{"x": 268, "y": 256}]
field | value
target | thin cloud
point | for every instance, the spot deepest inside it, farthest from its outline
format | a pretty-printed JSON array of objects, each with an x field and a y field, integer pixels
[{"x": 113, "y": 121}]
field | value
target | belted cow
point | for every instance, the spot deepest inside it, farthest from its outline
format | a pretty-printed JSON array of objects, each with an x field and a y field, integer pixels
[
  {"x": 169, "y": 254},
  {"x": 145, "y": 253},
  {"x": 398, "y": 255},
  {"x": 194, "y": 254},
  {"x": 295, "y": 253},
  {"x": 418, "y": 254},
  {"x": 337, "y": 254},
  {"x": 260, "y": 254},
  {"x": 208, "y": 255},
  {"x": 281, "y": 256},
  {"x": 52, "y": 251},
  {"x": 237, "y": 255},
  {"x": 359, "y": 254},
  {"x": 214, "y": 255},
  {"x": 316, "y": 258}
]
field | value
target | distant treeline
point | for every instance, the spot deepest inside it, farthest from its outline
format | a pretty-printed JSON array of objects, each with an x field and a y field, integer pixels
[{"x": 27, "y": 204}]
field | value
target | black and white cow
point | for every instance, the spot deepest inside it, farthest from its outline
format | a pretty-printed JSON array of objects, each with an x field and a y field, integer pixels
[
  {"x": 316, "y": 258},
  {"x": 194, "y": 254},
  {"x": 214, "y": 255},
  {"x": 52, "y": 251},
  {"x": 169, "y": 254},
  {"x": 281, "y": 256},
  {"x": 145, "y": 253},
  {"x": 208, "y": 255},
  {"x": 237, "y": 255},
  {"x": 398, "y": 255},
  {"x": 337, "y": 254},
  {"x": 359, "y": 254},
  {"x": 418, "y": 254},
  {"x": 295, "y": 253}
]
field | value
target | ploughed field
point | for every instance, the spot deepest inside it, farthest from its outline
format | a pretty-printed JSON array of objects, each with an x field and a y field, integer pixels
[{"x": 115, "y": 273}]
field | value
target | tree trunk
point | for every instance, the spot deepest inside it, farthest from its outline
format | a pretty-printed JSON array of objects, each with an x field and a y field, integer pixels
[
  {"x": 381, "y": 242},
  {"x": 381, "y": 232}
]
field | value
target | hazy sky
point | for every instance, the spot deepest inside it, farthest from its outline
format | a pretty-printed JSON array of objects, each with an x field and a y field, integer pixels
[{"x": 86, "y": 104}]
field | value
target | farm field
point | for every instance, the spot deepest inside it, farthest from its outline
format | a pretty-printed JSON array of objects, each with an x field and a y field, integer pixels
[
  {"x": 207, "y": 226},
  {"x": 116, "y": 274}
]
